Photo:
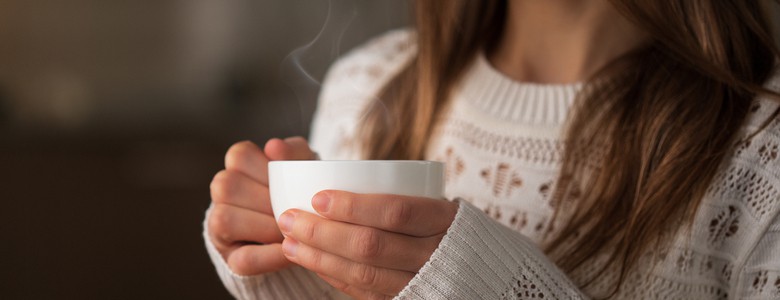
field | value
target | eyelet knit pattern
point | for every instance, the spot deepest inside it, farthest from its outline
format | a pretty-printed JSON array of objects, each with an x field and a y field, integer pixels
[{"x": 501, "y": 143}]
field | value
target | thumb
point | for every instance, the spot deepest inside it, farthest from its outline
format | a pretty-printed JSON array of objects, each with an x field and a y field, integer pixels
[{"x": 293, "y": 148}]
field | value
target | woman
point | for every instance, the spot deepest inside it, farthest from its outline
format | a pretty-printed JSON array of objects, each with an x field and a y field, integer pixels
[{"x": 594, "y": 149}]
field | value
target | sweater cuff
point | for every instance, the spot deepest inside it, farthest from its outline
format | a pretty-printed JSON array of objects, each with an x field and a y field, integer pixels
[
  {"x": 291, "y": 283},
  {"x": 479, "y": 258}
]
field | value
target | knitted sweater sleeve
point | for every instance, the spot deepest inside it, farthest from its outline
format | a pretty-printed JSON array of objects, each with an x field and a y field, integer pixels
[{"x": 479, "y": 258}]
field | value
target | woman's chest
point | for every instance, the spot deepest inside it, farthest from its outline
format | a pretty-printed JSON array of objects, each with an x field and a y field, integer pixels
[{"x": 508, "y": 174}]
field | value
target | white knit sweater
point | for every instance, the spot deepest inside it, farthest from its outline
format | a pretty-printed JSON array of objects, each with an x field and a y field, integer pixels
[{"x": 501, "y": 142}]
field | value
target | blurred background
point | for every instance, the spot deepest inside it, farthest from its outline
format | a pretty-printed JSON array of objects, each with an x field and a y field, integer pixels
[{"x": 114, "y": 116}]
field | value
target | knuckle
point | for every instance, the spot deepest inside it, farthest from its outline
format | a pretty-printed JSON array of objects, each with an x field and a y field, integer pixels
[
  {"x": 342, "y": 286},
  {"x": 300, "y": 146},
  {"x": 366, "y": 276},
  {"x": 314, "y": 260},
  {"x": 308, "y": 231},
  {"x": 220, "y": 223},
  {"x": 348, "y": 204},
  {"x": 241, "y": 262},
  {"x": 353, "y": 291},
  {"x": 398, "y": 214},
  {"x": 222, "y": 186},
  {"x": 240, "y": 152},
  {"x": 295, "y": 140},
  {"x": 368, "y": 244}
]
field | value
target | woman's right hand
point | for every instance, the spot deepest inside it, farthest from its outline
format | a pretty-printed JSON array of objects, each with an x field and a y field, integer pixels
[{"x": 241, "y": 224}]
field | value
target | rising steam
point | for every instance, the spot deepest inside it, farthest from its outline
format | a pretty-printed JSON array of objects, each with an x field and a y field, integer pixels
[{"x": 325, "y": 46}]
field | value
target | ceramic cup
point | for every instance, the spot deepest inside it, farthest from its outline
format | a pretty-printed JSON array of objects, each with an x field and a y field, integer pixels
[{"x": 293, "y": 183}]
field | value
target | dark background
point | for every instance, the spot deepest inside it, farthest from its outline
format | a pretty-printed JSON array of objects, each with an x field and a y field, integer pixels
[{"x": 114, "y": 116}]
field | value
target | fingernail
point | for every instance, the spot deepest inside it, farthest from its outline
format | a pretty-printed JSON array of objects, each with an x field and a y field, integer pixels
[
  {"x": 289, "y": 247},
  {"x": 321, "y": 202},
  {"x": 286, "y": 221}
]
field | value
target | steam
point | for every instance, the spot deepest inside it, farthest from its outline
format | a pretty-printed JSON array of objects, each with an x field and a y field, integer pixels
[{"x": 301, "y": 79}]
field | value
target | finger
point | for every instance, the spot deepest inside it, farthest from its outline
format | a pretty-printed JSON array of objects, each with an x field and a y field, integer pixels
[
  {"x": 293, "y": 148},
  {"x": 415, "y": 216},
  {"x": 237, "y": 189},
  {"x": 248, "y": 158},
  {"x": 354, "y": 292},
  {"x": 359, "y": 243},
  {"x": 384, "y": 281},
  {"x": 251, "y": 260},
  {"x": 230, "y": 226}
]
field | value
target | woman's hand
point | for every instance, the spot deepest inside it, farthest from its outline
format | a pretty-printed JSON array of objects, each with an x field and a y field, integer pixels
[
  {"x": 241, "y": 224},
  {"x": 368, "y": 246}
]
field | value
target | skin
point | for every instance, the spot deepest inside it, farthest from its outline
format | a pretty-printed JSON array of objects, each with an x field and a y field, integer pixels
[
  {"x": 371, "y": 246},
  {"x": 562, "y": 41},
  {"x": 241, "y": 223}
]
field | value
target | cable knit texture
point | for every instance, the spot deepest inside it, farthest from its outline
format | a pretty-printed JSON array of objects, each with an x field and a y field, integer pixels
[{"x": 501, "y": 143}]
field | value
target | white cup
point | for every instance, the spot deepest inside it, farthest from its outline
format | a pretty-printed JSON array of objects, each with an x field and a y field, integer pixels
[{"x": 293, "y": 183}]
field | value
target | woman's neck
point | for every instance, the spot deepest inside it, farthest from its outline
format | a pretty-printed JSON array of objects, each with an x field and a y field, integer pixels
[{"x": 561, "y": 41}]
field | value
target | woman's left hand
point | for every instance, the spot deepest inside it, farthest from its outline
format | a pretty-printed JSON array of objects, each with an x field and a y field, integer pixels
[{"x": 368, "y": 246}]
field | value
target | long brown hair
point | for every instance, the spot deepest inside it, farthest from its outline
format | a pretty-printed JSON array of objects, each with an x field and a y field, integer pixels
[{"x": 677, "y": 105}]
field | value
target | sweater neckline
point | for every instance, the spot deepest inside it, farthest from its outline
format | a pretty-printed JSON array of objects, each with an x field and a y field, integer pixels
[{"x": 501, "y": 97}]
